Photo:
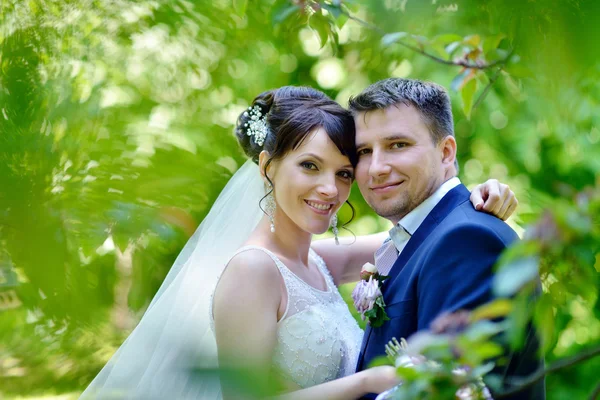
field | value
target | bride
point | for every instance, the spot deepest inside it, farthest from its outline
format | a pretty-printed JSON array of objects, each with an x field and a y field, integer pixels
[{"x": 250, "y": 292}]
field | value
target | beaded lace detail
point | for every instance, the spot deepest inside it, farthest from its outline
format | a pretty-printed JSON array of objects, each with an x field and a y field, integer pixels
[{"x": 318, "y": 340}]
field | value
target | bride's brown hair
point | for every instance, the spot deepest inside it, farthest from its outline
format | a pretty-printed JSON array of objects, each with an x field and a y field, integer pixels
[{"x": 292, "y": 113}]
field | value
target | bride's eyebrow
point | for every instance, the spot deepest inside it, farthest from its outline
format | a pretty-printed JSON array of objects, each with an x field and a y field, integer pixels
[{"x": 313, "y": 155}]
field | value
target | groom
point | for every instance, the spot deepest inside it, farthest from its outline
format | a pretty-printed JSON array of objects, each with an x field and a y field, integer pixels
[{"x": 441, "y": 251}]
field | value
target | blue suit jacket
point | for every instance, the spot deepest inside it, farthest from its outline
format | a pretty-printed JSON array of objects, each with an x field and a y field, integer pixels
[{"x": 446, "y": 266}]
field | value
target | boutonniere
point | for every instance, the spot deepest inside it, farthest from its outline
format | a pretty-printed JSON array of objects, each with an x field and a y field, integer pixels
[{"x": 367, "y": 296}]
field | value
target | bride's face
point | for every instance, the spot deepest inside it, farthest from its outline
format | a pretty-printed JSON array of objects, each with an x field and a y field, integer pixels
[{"x": 311, "y": 183}]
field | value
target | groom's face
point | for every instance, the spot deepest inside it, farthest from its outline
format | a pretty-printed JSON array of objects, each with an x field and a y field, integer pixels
[{"x": 399, "y": 164}]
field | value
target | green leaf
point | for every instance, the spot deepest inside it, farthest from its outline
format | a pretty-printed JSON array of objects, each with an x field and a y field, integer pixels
[
  {"x": 341, "y": 21},
  {"x": 467, "y": 93},
  {"x": 486, "y": 350},
  {"x": 483, "y": 369},
  {"x": 240, "y": 7},
  {"x": 34, "y": 7},
  {"x": 460, "y": 80},
  {"x": 510, "y": 278},
  {"x": 333, "y": 9},
  {"x": 494, "y": 309},
  {"x": 121, "y": 239},
  {"x": 379, "y": 361},
  {"x": 353, "y": 6},
  {"x": 421, "y": 41},
  {"x": 321, "y": 25},
  {"x": 446, "y": 39},
  {"x": 452, "y": 47},
  {"x": 482, "y": 330},
  {"x": 284, "y": 13},
  {"x": 495, "y": 382},
  {"x": 545, "y": 322},
  {"x": 518, "y": 320},
  {"x": 491, "y": 43},
  {"x": 407, "y": 373},
  {"x": 392, "y": 38},
  {"x": 519, "y": 70},
  {"x": 496, "y": 55},
  {"x": 335, "y": 41},
  {"x": 439, "y": 50},
  {"x": 472, "y": 40}
]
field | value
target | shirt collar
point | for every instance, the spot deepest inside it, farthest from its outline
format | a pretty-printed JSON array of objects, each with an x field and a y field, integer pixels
[{"x": 408, "y": 225}]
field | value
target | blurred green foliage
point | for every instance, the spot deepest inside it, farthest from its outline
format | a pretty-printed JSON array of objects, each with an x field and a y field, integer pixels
[{"x": 116, "y": 137}]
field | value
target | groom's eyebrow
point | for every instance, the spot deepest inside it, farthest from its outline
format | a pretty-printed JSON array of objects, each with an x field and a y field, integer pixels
[
  {"x": 397, "y": 136},
  {"x": 391, "y": 138}
]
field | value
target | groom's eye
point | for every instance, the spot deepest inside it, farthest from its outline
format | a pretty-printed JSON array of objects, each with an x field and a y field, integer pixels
[
  {"x": 398, "y": 145},
  {"x": 363, "y": 152}
]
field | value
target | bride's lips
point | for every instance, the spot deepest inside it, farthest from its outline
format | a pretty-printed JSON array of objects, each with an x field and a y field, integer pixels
[
  {"x": 319, "y": 207},
  {"x": 387, "y": 187}
]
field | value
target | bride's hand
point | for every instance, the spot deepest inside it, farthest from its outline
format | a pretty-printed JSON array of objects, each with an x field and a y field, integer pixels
[
  {"x": 495, "y": 198},
  {"x": 380, "y": 379}
]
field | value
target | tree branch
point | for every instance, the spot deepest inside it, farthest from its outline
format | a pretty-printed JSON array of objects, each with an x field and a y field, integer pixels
[
  {"x": 558, "y": 365},
  {"x": 493, "y": 80},
  {"x": 458, "y": 63},
  {"x": 595, "y": 393}
]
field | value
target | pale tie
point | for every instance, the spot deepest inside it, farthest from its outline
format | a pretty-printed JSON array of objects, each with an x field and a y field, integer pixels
[{"x": 385, "y": 257}]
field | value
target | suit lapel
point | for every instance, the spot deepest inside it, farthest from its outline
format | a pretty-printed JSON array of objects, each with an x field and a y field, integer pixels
[{"x": 449, "y": 202}]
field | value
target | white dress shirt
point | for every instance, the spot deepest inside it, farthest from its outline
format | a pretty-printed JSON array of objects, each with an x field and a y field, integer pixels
[{"x": 408, "y": 225}]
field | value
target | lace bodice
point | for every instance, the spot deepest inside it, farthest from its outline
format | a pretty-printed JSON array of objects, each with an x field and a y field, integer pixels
[{"x": 318, "y": 340}]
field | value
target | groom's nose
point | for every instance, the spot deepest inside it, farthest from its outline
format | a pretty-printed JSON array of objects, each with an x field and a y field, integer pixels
[{"x": 379, "y": 165}]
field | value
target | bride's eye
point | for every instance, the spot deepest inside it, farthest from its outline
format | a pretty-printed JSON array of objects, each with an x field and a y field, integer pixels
[{"x": 309, "y": 165}]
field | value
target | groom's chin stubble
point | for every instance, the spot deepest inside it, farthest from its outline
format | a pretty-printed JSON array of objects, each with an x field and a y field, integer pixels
[{"x": 394, "y": 211}]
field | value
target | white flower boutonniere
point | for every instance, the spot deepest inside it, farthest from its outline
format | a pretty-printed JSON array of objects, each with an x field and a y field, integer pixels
[{"x": 367, "y": 296}]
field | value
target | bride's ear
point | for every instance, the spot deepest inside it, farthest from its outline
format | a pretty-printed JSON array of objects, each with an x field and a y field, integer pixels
[{"x": 263, "y": 159}]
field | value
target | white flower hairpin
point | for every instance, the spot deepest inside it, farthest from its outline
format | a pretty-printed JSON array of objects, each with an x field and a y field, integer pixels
[{"x": 257, "y": 125}]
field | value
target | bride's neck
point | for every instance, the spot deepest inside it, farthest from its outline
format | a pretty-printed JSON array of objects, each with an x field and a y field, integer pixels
[{"x": 288, "y": 240}]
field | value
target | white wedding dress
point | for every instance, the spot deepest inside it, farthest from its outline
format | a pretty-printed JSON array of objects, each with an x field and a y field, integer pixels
[
  {"x": 172, "y": 351},
  {"x": 318, "y": 340}
]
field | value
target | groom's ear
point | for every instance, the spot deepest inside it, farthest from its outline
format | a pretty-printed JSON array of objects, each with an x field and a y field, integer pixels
[{"x": 448, "y": 151}]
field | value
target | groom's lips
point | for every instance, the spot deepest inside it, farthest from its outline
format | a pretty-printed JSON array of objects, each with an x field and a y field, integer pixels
[{"x": 385, "y": 188}]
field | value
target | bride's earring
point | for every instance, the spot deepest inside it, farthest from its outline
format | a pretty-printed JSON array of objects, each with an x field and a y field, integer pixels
[
  {"x": 270, "y": 207},
  {"x": 334, "y": 228}
]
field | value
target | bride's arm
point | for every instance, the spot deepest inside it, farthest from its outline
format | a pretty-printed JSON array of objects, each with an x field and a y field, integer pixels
[
  {"x": 346, "y": 260},
  {"x": 245, "y": 310},
  {"x": 373, "y": 380},
  {"x": 246, "y": 307}
]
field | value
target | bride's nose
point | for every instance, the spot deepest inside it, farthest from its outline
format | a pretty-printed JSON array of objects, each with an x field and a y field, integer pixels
[{"x": 327, "y": 186}]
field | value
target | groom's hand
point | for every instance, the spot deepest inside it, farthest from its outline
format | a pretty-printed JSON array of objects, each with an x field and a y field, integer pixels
[{"x": 495, "y": 198}]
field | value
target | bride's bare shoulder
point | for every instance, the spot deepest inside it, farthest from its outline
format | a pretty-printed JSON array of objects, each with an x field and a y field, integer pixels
[
  {"x": 250, "y": 283},
  {"x": 250, "y": 269}
]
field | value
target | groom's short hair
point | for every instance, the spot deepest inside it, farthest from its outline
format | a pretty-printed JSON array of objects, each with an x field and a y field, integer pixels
[{"x": 429, "y": 98}]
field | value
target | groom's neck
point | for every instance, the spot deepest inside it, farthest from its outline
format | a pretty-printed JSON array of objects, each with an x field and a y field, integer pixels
[{"x": 450, "y": 173}]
